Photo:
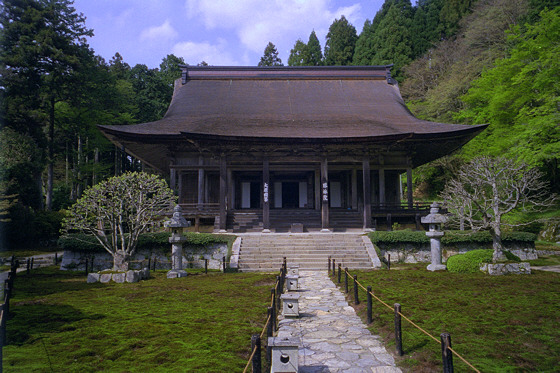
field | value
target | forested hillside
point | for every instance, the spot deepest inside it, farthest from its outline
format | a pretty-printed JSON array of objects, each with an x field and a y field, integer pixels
[{"x": 458, "y": 61}]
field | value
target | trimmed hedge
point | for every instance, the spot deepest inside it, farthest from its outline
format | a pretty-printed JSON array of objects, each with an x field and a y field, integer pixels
[
  {"x": 469, "y": 262},
  {"x": 450, "y": 237},
  {"x": 146, "y": 241}
]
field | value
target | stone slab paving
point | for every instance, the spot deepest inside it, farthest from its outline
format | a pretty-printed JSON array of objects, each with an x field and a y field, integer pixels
[{"x": 334, "y": 338}]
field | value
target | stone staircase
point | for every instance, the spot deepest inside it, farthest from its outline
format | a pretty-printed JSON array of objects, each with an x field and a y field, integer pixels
[{"x": 265, "y": 252}]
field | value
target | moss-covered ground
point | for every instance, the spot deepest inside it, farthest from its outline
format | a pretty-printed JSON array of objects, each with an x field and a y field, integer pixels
[
  {"x": 201, "y": 323},
  {"x": 497, "y": 323}
]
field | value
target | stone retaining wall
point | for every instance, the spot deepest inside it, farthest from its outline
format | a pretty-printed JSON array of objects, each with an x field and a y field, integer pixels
[
  {"x": 506, "y": 268},
  {"x": 412, "y": 254},
  {"x": 193, "y": 257}
]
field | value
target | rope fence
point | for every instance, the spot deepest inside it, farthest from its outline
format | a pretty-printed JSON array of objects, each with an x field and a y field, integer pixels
[
  {"x": 445, "y": 338},
  {"x": 270, "y": 324}
]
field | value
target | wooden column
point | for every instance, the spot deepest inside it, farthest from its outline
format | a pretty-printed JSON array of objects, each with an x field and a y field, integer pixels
[
  {"x": 367, "y": 192},
  {"x": 409, "y": 188},
  {"x": 324, "y": 194},
  {"x": 229, "y": 205},
  {"x": 354, "y": 181},
  {"x": 266, "y": 195},
  {"x": 200, "y": 185},
  {"x": 382, "y": 187},
  {"x": 223, "y": 192},
  {"x": 173, "y": 178}
]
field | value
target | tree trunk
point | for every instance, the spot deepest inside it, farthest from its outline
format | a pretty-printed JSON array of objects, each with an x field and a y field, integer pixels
[
  {"x": 50, "y": 167},
  {"x": 498, "y": 254},
  {"x": 120, "y": 261}
]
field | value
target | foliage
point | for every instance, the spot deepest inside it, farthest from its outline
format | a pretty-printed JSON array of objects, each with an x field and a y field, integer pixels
[
  {"x": 340, "y": 44},
  {"x": 487, "y": 189},
  {"x": 202, "y": 323},
  {"x": 450, "y": 238},
  {"x": 520, "y": 99},
  {"x": 270, "y": 57},
  {"x": 313, "y": 54},
  {"x": 469, "y": 262},
  {"x": 297, "y": 54},
  {"x": 119, "y": 209}
]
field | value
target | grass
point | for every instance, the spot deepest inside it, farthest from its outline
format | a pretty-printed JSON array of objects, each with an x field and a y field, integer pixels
[
  {"x": 28, "y": 252},
  {"x": 498, "y": 324},
  {"x": 545, "y": 245},
  {"x": 201, "y": 323}
]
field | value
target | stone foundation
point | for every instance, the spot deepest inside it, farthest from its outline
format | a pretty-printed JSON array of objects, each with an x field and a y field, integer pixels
[
  {"x": 119, "y": 277},
  {"x": 193, "y": 257},
  {"x": 506, "y": 268}
]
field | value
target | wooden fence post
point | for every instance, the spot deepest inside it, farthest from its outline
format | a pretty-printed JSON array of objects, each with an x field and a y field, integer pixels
[
  {"x": 356, "y": 299},
  {"x": 155, "y": 263},
  {"x": 398, "y": 331},
  {"x": 28, "y": 265},
  {"x": 224, "y": 263},
  {"x": 329, "y": 265},
  {"x": 339, "y": 271},
  {"x": 269, "y": 332},
  {"x": 388, "y": 261},
  {"x": 256, "y": 346},
  {"x": 333, "y": 267},
  {"x": 273, "y": 293},
  {"x": 32, "y": 262},
  {"x": 369, "y": 306},
  {"x": 87, "y": 266},
  {"x": 149, "y": 262},
  {"x": 346, "y": 280},
  {"x": 446, "y": 354},
  {"x": 206, "y": 266},
  {"x": 55, "y": 258}
]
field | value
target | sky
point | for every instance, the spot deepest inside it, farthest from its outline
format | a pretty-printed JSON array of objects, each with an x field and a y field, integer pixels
[{"x": 220, "y": 32}]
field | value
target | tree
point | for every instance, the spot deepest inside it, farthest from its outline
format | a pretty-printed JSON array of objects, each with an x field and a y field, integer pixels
[
  {"x": 270, "y": 57},
  {"x": 487, "y": 189},
  {"x": 41, "y": 45},
  {"x": 117, "y": 210},
  {"x": 313, "y": 55},
  {"x": 297, "y": 54},
  {"x": 340, "y": 44}
]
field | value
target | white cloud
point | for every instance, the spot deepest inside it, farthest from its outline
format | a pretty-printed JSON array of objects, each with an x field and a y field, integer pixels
[
  {"x": 213, "y": 54},
  {"x": 162, "y": 33},
  {"x": 256, "y": 22}
]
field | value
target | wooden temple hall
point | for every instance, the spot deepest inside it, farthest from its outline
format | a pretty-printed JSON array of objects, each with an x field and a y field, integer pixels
[{"x": 290, "y": 148}]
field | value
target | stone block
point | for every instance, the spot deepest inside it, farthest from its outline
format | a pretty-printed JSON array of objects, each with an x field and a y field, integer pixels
[
  {"x": 145, "y": 273},
  {"x": 290, "y": 305},
  {"x": 499, "y": 269},
  {"x": 93, "y": 277},
  {"x": 105, "y": 278},
  {"x": 285, "y": 356},
  {"x": 119, "y": 277},
  {"x": 297, "y": 228},
  {"x": 292, "y": 282},
  {"x": 132, "y": 276},
  {"x": 176, "y": 273},
  {"x": 293, "y": 270}
]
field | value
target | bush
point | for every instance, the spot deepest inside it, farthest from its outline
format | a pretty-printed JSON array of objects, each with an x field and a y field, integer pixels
[
  {"x": 450, "y": 238},
  {"x": 469, "y": 262}
]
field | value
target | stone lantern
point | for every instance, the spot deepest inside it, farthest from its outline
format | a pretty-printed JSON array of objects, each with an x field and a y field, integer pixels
[
  {"x": 434, "y": 219},
  {"x": 177, "y": 224}
]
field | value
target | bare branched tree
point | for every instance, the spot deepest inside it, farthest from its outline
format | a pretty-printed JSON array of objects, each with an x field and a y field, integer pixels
[
  {"x": 486, "y": 189},
  {"x": 116, "y": 211}
]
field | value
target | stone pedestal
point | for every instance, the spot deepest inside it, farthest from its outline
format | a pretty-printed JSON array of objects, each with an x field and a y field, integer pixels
[
  {"x": 292, "y": 282},
  {"x": 290, "y": 305}
]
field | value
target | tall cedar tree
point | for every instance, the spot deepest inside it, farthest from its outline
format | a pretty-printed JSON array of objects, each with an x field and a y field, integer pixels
[
  {"x": 297, "y": 54},
  {"x": 340, "y": 44},
  {"x": 313, "y": 54},
  {"x": 270, "y": 57},
  {"x": 41, "y": 45}
]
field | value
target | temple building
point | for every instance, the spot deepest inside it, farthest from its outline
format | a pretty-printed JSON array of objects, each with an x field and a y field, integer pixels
[{"x": 290, "y": 148}]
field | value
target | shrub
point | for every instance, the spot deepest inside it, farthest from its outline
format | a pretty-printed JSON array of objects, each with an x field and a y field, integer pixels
[
  {"x": 469, "y": 262},
  {"x": 404, "y": 236}
]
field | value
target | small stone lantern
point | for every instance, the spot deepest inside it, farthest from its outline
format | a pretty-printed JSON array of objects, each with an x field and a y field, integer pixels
[
  {"x": 177, "y": 223},
  {"x": 435, "y": 220},
  {"x": 285, "y": 354}
]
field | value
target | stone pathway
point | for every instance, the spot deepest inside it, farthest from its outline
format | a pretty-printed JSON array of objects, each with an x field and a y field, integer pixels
[{"x": 334, "y": 338}]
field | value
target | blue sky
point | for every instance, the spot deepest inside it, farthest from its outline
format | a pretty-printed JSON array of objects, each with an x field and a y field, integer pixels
[{"x": 220, "y": 32}]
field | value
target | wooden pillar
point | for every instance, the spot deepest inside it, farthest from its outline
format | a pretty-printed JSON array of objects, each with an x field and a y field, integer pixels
[
  {"x": 409, "y": 188},
  {"x": 324, "y": 194},
  {"x": 354, "y": 192},
  {"x": 173, "y": 178},
  {"x": 317, "y": 190},
  {"x": 230, "y": 192},
  {"x": 200, "y": 184},
  {"x": 180, "y": 178},
  {"x": 367, "y": 193},
  {"x": 382, "y": 187},
  {"x": 266, "y": 195},
  {"x": 223, "y": 192}
]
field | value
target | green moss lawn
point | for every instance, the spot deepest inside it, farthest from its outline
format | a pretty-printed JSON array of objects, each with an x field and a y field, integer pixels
[
  {"x": 201, "y": 323},
  {"x": 497, "y": 323}
]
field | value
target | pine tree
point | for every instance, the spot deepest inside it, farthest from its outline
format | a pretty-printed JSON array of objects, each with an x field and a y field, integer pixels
[
  {"x": 298, "y": 54},
  {"x": 341, "y": 41},
  {"x": 313, "y": 54},
  {"x": 270, "y": 57}
]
